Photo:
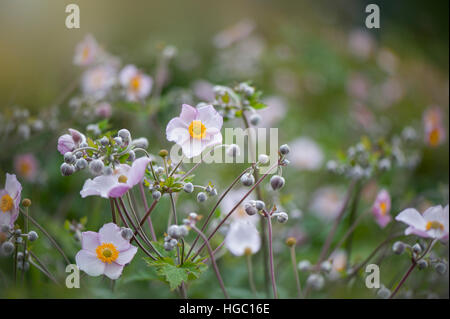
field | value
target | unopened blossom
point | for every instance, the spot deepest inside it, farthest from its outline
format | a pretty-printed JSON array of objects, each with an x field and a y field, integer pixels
[
  {"x": 137, "y": 84},
  {"x": 233, "y": 197},
  {"x": 433, "y": 127},
  {"x": 433, "y": 223},
  {"x": 327, "y": 202},
  {"x": 97, "y": 81},
  {"x": 195, "y": 129},
  {"x": 242, "y": 238},
  {"x": 105, "y": 252},
  {"x": 26, "y": 166},
  {"x": 381, "y": 208},
  {"x": 86, "y": 51},
  {"x": 124, "y": 177},
  {"x": 306, "y": 154},
  {"x": 10, "y": 200},
  {"x": 69, "y": 142}
]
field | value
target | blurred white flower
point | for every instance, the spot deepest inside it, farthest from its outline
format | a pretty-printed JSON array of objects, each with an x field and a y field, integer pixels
[
  {"x": 97, "y": 81},
  {"x": 306, "y": 154},
  {"x": 242, "y": 238},
  {"x": 239, "y": 215},
  {"x": 327, "y": 202}
]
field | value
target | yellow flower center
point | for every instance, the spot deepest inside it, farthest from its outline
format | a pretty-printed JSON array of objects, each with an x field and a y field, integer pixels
[
  {"x": 6, "y": 203},
  {"x": 85, "y": 53},
  {"x": 248, "y": 251},
  {"x": 25, "y": 168},
  {"x": 107, "y": 253},
  {"x": 197, "y": 129},
  {"x": 434, "y": 225},
  {"x": 123, "y": 179},
  {"x": 383, "y": 208},
  {"x": 135, "y": 83},
  {"x": 434, "y": 137}
]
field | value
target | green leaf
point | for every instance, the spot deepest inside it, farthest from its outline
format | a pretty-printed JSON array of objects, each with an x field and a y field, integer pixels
[
  {"x": 124, "y": 158},
  {"x": 174, "y": 275}
]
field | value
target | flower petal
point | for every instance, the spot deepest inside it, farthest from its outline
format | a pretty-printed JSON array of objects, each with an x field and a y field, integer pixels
[
  {"x": 90, "y": 240},
  {"x": 126, "y": 255},
  {"x": 137, "y": 171},
  {"x": 242, "y": 235},
  {"x": 101, "y": 185},
  {"x": 14, "y": 188},
  {"x": 188, "y": 114},
  {"x": 210, "y": 117},
  {"x": 89, "y": 263},
  {"x": 113, "y": 270},
  {"x": 413, "y": 218},
  {"x": 110, "y": 233}
]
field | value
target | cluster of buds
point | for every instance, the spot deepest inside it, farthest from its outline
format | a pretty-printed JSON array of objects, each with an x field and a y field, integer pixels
[
  {"x": 100, "y": 155},
  {"x": 10, "y": 239},
  {"x": 316, "y": 278},
  {"x": 232, "y": 102},
  {"x": 416, "y": 253},
  {"x": 174, "y": 233},
  {"x": 20, "y": 122},
  {"x": 75, "y": 227},
  {"x": 364, "y": 159}
]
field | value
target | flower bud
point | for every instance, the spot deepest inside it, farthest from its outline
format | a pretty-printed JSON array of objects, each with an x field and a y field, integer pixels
[
  {"x": 124, "y": 134},
  {"x": 304, "y": 265},
  {"x": 398, "y": 247},
  {"x": 282, "y": 217},
  {"x": 422, "y": 264},
  {"x": 81, "y": 163},
  {"x": 255, "y": 119},
  {"x": 263, "y": 158},
  {"x": 247, "y": 179},
  {"x": 26, "y": 202},
  {"x": 126, "y": 233},
  {"x": 131, "y": 156},
  {"x": 163, "y": 153},
  {"x": 201, "y": 197},
  {"x": 259, "y": 204},
  {"x": 7, "y": 248},
  {"x": 291, "y": 241},
  {"x": 233, "y": 150},
  {"x": 383, "y": 292},
  {"x": 67, "y": 169},
  {"x": 277, "y": 182},
  {"x": 141, "y": 142},
  {"x": 250, "y": 209},
  {"x": 284, "y": 149},
  {"x": 69, "y": 158},
  {"x": 96, "y": 167},
  {"x": 4, "y": 228},
  {"x": 188, "y": 187},
  {"x": 184, "y": 230},
  {"x": 156, "y": 195},
  {"x": 108, "y": 170},
  {"x": 32, "y": 236},
  {"x": 104, "y": 141},
  {"x": 193, "y": 216},
  {"x": 332, "y": 166},
  {"x": 416, "y": 248},
  {"x": 326, "y": 266},
  {"x": 118, "y": 140},
  {"x": 440, "y": 268},
  {"x": 315, "y": 281},
  {"x": 174, "y": 231}
]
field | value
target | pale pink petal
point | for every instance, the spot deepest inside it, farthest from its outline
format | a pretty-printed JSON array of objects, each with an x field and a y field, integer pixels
[
  {"x": 111, "y": 233},
  {"x": 415, "y": 231},
  {"x": 413, "y": 218},
  {"x": 77, "y": 137},
  {"x": 210, "y": 117},
  {"x": 192, "y": 148},
  {"x": 14, "y": 188},
  {"x": 127, "y": 73},
  {"x": 146, "y": 86},
  {"x": 90, "y": 241},
  {"x": 435, "y": 213},
  {"x": 89, "y": 263},
  {"x": 137, "y": 171},
  {"x": 177, "y": 131},
  {"x": 119, "y": 190},
  {"x": 188, "y": 113},
  {"x": 113, "y": 270},
  {"x": 126, "y": 256},
  {"x": 101, "y": 185}
]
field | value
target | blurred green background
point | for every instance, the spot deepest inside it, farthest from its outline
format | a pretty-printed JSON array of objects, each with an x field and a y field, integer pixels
[{"x": 305, "y": 58}]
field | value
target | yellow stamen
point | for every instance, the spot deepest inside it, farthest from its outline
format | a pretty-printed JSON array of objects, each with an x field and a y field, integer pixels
[
  {"x": 383, "y": 208},
  {"x": 107, "y": 252},
  {"x": 6, "y": 203},
  {"x": 135, "y": 83},
  {"x": 248, "y": 251},
  {"x": 123, "y": 179},
  {"x": 25, "y": 168},
  {"x": 197, "y": 129},
  {"x": 434, "y": 225},
  {"x": 434, "y": 137},
  {"x": 85, "y": 53}
]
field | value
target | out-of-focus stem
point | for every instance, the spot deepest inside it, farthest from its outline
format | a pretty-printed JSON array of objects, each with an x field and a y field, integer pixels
[
  {"x": 294, "y": 268},
  {"x": 147, "y": 214},
  {"x": 272, "y": 272},
  {"x": 213, "y": 260},
  {"x": 251, "y": 281}
]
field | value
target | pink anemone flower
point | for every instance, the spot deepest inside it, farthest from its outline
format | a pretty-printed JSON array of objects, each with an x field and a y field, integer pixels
[
  {"x": 381, "y": 208},
  {"x": 105, "y": 252},
  {"x": 137, "y": 84},
  {"x": 124, "y": 177},
  {"x": 26, "y": 165},
  {"x": 433, "y": 223},
  {"x": 10, "y": 200},
  {"x": 195, "y": 129}
]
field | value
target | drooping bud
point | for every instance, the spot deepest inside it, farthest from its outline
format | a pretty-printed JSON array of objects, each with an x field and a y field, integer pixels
[
  {"x": 67, "y": 169},
  {"x": 277, "y": 182},
  {"x": 284, "y": 149},
  {"x": 247, "y": 179},
  {"x": 188, "y": 187}
]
